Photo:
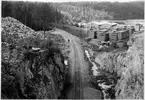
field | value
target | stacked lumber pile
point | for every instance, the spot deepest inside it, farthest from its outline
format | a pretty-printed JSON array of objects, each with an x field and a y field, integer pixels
[
  {"x": 113, "y": 36},
  {"x": 91, "y": 33},
  {"x": 123, "y": 34},
  {"x": 101, "y": 35},
  {"x": 119, "y": 35}
]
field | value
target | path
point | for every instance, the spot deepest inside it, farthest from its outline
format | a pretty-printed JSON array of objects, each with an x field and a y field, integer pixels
[{"x": 79, "y": 70}]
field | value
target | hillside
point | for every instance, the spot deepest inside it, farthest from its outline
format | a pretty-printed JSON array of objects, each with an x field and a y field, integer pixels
[
  {"x": 105, "y": 10},
  {"x": 32, "y": 67},
  {"x": 130, "y": 10},
  {"x": 124, "y": 69},
  {"x": 79, "y": 13}
]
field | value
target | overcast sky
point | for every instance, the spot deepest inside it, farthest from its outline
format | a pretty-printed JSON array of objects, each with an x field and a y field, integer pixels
[{"x": 74, "y": 0}]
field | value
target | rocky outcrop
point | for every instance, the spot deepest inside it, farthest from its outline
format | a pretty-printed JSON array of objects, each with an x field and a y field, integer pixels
[
  {"x": 32, "y": 67},
  {"x": 131, "y": 83},
  {"x": 124, "y": 69}
]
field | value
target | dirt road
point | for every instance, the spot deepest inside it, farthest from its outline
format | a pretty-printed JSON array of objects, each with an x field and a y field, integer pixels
[{"x": 79, "y": 70}]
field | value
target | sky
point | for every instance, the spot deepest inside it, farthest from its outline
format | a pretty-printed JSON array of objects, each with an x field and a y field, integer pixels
[{"x": 73, "y": 0}]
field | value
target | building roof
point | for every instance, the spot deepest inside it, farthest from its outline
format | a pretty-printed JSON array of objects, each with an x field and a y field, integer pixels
[{"x": 102, "y": 23}]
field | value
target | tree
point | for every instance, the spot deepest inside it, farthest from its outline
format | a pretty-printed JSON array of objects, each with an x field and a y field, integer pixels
[
  {"x": 44, "y": 15},
  {"x": 38, "y": 16},
  {"x": 6, "y": 9}
]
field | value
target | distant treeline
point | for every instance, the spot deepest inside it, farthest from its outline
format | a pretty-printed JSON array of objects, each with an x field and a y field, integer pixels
[
  {"x": 78, "y": 13},
  {"x": 128, "y": 10},
  {"x": 36, "y": 15}
]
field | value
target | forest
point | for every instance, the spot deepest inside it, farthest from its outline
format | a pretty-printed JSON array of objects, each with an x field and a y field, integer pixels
[
  {"x": 37, "y": 16},
  {"x": 118, "y": 10}
]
